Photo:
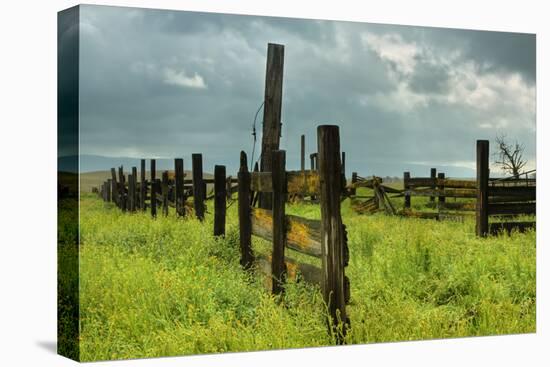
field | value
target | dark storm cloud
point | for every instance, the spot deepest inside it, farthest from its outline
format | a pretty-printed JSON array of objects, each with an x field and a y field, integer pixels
[{"x": 165, "y": 84}]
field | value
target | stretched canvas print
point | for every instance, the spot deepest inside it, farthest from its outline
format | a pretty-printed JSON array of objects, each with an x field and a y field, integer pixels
[{"x": 233, "y": 183}]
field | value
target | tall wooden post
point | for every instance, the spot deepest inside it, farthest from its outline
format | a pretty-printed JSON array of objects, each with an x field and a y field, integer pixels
[
  {"x": 220, "y": 200},
  {"x": 245, "y": 215},
  {"x": 122, "y": 190},
  {"x": 278, "y": 182},
  {"x": 143, "y": 186},
  {"x": 165, "y": 193},
  {"x": 272, "y": 110},
  {"x": 130, "y": 192},
  {"x": 254, "y": 197},
  {"x": 482, "y": 213},
  {"x": 406, "y": 177},
  {"x": 441, "y": 187},
  {"x": 433, "y": 176},
  {"x": 303, "y": 153},
  {"x": 332, "y": 229},
  {"x": 312, "y": 161},
  {"x": 199, "y": 189},
  {"x": 179, "y": 174},
  {"x": 153, "y": 188}
]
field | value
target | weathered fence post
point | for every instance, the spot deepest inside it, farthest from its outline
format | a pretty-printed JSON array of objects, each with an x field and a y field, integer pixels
[
  {"x": 164, "y": 190},
  {"x": 303, "y": 153},
  {"x": 482, "y": 214},
  {"x": 143, "y": 186},
  {"x": 245, "y": 219},
  {"x": 312, "y": 161},
  {"x": 153, "y": 188},
  {"x": 278, "y": 181},
  {"x": 134, "y": 190},
  {"x": 130, "y": 192},
  {"x": 353, "y": 190},
  {"x": 433, "y": 176},
  {"x": 114, "y": 186},
  {"x": 272, "y": 110},
  {"x": 179, "y": 174},
  {"x": 441, "y": 188},
  {"x": 122, "y": 185},
  {"x": 220, "y": 200},
  {"x": 199, "y": 191},
  {"x": 109, "y": 185},
  {"x": 406, "y": 177},
  {"x": 332, "y": 229},
  {"x": 254, "y": 197}
]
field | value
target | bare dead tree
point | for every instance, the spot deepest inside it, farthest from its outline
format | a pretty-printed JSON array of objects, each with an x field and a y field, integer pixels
[{"x": 509, "y": 157}]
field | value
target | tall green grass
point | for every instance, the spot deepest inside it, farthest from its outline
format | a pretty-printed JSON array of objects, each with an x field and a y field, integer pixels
[{"x": 168, "y": 287}]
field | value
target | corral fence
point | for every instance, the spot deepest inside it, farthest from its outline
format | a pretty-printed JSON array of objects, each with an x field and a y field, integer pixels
[{"x": 325, "y": 239}]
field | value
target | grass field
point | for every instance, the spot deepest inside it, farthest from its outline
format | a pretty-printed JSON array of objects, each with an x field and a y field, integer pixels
[{"x": 167, "y": 287}]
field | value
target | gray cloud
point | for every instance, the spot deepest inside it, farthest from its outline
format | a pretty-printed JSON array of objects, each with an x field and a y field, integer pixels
[{"x": 158, "y": 83}]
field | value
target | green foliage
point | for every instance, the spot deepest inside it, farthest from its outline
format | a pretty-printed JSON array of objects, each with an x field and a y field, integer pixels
[{"x": 168, "y": 287}]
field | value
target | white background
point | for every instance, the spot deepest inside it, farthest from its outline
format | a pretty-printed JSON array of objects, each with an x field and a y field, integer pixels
[{"x": 28, "y": 182}]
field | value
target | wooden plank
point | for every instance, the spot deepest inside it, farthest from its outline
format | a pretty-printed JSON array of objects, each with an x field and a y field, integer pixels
[
  {"x": 296, "y": 270},
  {"x": 511, "y": 208},
  {"x": 142, "y": 186},
  {"x": 450, "y": 193},
  {"x": 508, "y": 227},
  {"x": 245, "y": 223},
  {"x": 406, "y": 186},
  {"x": 272, "y": 110},
  {"x": 298, "y": 182},
  {"x": 199, "y": 192},
  {"x": 482, "y": 173},
  {"x": 178, "y": 182},
  {"x": 278, "y": 177},
  {"x": 332, "y": 230},
  {"x": 523, "y": 193},
  {"x": 458, "y": 184},
  {"x": 220, "y": 200},
  {"x": 302, "y": 235},
  {"x": 433, "y": 176}
]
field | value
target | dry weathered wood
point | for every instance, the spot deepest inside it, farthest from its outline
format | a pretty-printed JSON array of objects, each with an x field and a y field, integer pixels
[
  {"x": 295, "y": 270},
  {"x": 108, "y": 188},
  {"x": 482, "y": 213},
  {"x": 130, "y": 192},
  {"x": 114, "y": 186},
  {"x": 298, "y": 182},
  {"x": 406, "y": 186},
  {"x": 433, "y": 176},
  {"x": 415, "y": 182},
  {"x": 178, "y": 182},
  {"x": 303, "y": 153},
  {"x": 220, "y": 197},
  {"x": 134, "y": 203},
  {"x": 122, "y": 188},
  {"x": 441, "y": 187},
  {"x": 523, "y": 193},
  {"x": 199, "y": 192},
  {"x": 153, "y": 188},
  {"x": 302, "y": 235},
  {"x": 165, "y": 193},
  {"x": 278, "y": 183},
  {"x": 142, "y": 185},
  {"x": 332, "y": 231},
  {"x": 511, "y": 208},
  {"x": 450, "y": 193},
  {"x": 508, "y": 227},
  {"x": 353, "y": 190},
  {"x": 272, "y": 110},
  {"x": 245, "y": 225}
]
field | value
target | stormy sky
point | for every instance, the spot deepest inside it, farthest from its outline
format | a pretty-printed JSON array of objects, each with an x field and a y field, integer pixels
[{"x": 164, "y": 84}]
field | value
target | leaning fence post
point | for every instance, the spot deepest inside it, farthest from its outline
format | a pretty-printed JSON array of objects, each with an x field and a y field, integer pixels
[
  {"x": 278, "y": 182},
  {"x": 153, "y": 188},
  {"x": 198, "y": 186},
  {"x": 245, "y": 219},
  {"x": 220, "y": 200},
  {"x": 180, "y": 204},
  {"x": 406, "y": 177},
  {"x": 482, "y": 214},
  {"x": 441, "y": 188},
  {"x": 332, "y": 229}
]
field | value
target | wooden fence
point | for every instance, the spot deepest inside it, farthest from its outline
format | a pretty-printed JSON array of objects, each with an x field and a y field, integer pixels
[
  {"x": 325, "y": 239},
  {"x": 502, "y": 199},
  {"x": 379, "y": 200},
  {"x": 170, "y": 191}
]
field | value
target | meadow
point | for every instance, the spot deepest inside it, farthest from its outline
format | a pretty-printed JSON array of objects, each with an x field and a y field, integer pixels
[{"x": 167, "y": 286}]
